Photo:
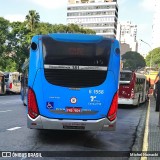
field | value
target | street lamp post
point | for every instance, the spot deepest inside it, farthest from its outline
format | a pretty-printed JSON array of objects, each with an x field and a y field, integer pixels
[{"x": 151, "y": 53}]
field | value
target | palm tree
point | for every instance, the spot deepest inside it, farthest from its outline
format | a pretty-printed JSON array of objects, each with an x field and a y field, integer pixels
[{"x": 32, "y": 19}]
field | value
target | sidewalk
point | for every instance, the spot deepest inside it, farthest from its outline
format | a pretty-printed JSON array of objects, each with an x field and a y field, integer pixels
[
  {"x": 153, "y": 129},
  {"x": 148, "y": 132}
]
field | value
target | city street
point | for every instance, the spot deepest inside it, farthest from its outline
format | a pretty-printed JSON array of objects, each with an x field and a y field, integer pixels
[{"x": 15, "y": 136}]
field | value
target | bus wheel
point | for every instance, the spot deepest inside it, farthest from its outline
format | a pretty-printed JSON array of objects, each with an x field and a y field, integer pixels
[
  {"x": 155, "y": 93},
  {"x": 147, "y": 98},
  {"x": 138, "y": 103}
]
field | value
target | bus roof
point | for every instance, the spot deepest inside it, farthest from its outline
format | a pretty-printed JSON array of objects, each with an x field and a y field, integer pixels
[
  {"x": 138, "y": 75},
  {"x": 75, "y": 37},
  {"x": 127, "y": 71},
  {"x": 11, "y": 73}
]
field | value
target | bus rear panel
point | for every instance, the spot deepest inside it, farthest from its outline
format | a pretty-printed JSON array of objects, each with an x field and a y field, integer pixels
[
  {"x": 132, "y": 88},
  {"x": 73, "y": 82}
]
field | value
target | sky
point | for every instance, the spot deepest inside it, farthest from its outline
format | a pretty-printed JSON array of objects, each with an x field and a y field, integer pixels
[{"x": 139, "y": 12}]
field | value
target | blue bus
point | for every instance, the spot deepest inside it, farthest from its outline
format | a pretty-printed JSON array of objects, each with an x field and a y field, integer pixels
[{"x": 72, "y": 82}]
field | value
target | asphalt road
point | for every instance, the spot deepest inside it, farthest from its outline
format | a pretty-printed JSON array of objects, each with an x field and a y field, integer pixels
[{"x": 15, "y": 136}]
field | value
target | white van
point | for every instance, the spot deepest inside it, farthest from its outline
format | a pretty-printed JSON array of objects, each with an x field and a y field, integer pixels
[{"x": 13, "y": 82}]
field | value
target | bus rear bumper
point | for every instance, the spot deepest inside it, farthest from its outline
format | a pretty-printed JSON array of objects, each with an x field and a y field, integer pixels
[
  {"x": 127, "y": 101},
  {"x": 63, "y": 124}
]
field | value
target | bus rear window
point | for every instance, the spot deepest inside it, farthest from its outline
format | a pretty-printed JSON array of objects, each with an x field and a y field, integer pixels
[
  {"x": 125, "y": 76},
  {"x": 71, "y": 53},
  {"x": 6, "y": 77}
]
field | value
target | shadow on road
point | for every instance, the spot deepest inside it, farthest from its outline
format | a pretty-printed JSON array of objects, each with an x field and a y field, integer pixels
[
  {"x": 122, "y": 106},
  {"x": 80, "y": 138}
]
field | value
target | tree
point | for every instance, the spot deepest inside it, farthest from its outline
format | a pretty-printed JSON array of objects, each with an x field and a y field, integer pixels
[
  {"x": 133, "y": 60},
  {"x": 19, "y": 41},
  {"x": 4, "y": 32},
  {"x": 15, "y": 38},
  {"x": 32, "y": 19},
  {"x": 45, "y": 28},
  {"x": 153, "y": 58},
  {"x": 73, "y": 28}
]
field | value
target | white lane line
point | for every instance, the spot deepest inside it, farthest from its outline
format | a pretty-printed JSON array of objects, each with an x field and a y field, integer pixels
[
  {"x": 5, "y": 103},
  {"x": 5, "y": 111},
  {"x": 10, "y": 101},
  {"x": 14, "y": 128}
]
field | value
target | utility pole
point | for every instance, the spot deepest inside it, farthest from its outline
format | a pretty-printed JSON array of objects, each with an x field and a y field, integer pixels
[{"x": 151, "y": 53}]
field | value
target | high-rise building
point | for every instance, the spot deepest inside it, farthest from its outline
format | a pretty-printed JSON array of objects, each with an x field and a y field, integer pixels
[
  {"x": 98, "y": 15},
  {"x": 126, "y": 34},
  {"x": 156, "y": 26}
]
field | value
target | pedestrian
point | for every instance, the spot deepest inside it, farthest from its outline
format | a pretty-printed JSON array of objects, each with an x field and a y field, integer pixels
[{"x": 157, "y": 88}]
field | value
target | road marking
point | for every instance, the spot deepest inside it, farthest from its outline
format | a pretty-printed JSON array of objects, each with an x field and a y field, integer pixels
[
  {"x": 5, "y": 111},
  {"x": 14, "y": 128},
  {"x": 10, "y": 101},
  {"x": 146, "y": 131}
]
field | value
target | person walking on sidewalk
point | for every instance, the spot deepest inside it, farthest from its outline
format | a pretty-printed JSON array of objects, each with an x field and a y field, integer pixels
[{"x": 157, "y": 88}]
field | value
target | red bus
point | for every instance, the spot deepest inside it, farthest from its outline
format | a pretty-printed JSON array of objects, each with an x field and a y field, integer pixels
[{"x": 132, "y": 88}]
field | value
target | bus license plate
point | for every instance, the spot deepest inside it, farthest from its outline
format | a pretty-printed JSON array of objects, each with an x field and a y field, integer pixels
[{"x": 73, "y": 110}]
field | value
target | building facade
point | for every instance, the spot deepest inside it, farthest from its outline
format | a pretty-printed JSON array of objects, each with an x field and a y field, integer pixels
[
  {"x": 156, "y": 26},
  {"x": 98, "y": 15},
  {"x": 127, "y": 34}
]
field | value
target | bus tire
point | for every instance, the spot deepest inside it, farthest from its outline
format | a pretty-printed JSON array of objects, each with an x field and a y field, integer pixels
[
  {"x": 138, "y": 103},
  {"x": 155, "y": 94}
]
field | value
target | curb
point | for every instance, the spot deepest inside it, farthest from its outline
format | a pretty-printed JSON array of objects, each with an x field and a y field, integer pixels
[
  {"x": 139, "y": 135},
  {"x": 146, "y": 131}
]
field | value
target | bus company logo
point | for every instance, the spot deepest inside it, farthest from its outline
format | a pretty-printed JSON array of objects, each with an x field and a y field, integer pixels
[
  {"x": 93, "y": 98},
  {"x": 50, "y": 105},
  {"x": 73, "y": 100}
]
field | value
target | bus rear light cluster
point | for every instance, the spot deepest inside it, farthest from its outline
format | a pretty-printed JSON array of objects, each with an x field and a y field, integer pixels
[
  {"x": 32, "y": 104},
  {"x": 132, "y": 94},
  {"x": 10, "y": 85},
  {"x": 112, "y": 114}
]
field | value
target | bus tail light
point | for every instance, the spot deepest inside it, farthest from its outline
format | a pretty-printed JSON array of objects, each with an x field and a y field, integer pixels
[
  {"x": 132, "y": 94},
  {"x": 112, "y": 114},
  {"x": 32, "y": 104},
  {"x": 10, "y": 86}
]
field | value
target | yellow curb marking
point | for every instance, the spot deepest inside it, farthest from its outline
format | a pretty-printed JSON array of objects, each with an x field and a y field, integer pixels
[{"x": 146, "y": 131}]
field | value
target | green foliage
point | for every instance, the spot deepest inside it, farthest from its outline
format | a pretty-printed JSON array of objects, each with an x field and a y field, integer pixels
[
  {"x": 32, "y": 19},
  {"x": 4, "y": 31},
  {"x": 15, "y": 38},
  {"x": 7, "y": 64},
  {"x": 133, "y": 60},
  {"x": 153, "y": 58},
  {"x": 20, "y": 38}
]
